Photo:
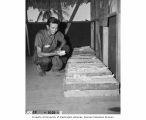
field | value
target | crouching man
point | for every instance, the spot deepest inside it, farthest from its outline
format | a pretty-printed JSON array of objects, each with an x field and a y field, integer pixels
[{"x": 50, "y": 48}]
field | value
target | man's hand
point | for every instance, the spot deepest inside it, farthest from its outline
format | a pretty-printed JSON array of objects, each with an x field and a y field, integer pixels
[{"x": 61, "y": 52}]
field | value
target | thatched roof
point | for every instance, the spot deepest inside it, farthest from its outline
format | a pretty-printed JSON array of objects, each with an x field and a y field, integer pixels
[{"x": 48, "y": 4}]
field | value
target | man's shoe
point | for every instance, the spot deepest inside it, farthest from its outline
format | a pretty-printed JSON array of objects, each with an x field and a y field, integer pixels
[
  {"x": 53, "y": 70},
  {"x": 40, "y": 71},
  {"x": 43, "y": 73}
]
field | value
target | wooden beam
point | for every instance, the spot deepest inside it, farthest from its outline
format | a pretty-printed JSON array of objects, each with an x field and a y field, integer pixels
[
  {"x": 98, "y": 40},
  {"x": 60, "y": 11},
  {"x": 72, "y": 16},
  {"x": 94, "y": 86},
  {"x": 92, "y": 10},
  {"x": 40, "y": 14},
  {"x": 97, "y": 28}
]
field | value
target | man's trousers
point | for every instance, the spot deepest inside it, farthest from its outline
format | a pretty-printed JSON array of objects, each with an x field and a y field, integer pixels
[{"x": 54, "y": 62}]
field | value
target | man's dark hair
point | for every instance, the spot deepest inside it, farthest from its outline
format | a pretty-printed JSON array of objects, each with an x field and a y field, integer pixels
[{"x": 53, "y": 20}]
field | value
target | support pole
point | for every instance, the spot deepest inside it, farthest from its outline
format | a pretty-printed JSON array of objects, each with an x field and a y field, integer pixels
[
  {"x": 27, "y": 38},
  {"x": 105, "y": 45}
]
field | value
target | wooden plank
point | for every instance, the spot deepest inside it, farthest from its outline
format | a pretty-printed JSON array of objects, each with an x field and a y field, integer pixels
[
  {"x": 93, "y": 11},
  {"x": 88, "y": 86},
  {"x": 87, "y": 69},
  {"x": 83, "y": 52},
  {"x": 98, "y": 80},
  {"x": 85, "y": 65},
  {"x": 88, "y": 72},
  {"x": 91, "y": 93},
  {"x": 83, "y": 60}
]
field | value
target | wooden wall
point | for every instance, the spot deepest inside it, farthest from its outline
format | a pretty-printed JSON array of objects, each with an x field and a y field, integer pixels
[
  {"x": 112, "y": 44},
  {"x": 105, "y": 33},
  {"x": 79, "y": 34}
]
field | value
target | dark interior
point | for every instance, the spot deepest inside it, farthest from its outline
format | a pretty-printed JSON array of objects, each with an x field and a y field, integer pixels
[{"x": 77, "y": 36}]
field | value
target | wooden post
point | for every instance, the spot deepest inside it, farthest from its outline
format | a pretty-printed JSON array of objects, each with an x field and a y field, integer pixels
[
  {"x": 92, "y": 35},
  {"x": 26, "y": 31},
  {"x": 27, "y": 38},
  {"x": 97, "y": 27},
  {"x": 92, "y": 9},
  {"x": 97, "y": 39},
  {"x": 105, "y": 45},
  {"x": 60, "y": 11}
]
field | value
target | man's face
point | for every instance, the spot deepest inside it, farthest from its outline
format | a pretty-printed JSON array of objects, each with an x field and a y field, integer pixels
[{"x": 52, "y": 28}]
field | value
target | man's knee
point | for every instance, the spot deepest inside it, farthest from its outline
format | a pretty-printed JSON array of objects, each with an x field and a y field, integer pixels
[
  {"x": 43, "y": 61},
  {"x": 64, "y": 59},
  {"x": 57, "y": 63}
]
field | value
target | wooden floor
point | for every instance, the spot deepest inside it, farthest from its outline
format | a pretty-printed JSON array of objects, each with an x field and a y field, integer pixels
[{"x": 46, "y": 93}]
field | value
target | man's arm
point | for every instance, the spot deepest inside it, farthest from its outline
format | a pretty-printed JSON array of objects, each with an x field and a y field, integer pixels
[
  {"x": 60, "y": 38},
  {"x": 42, "y": 54},
  {"x": 63, "y": 42}
]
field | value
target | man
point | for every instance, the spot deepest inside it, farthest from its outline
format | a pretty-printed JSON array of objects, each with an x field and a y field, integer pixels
[{"x": 48, "y": 46}]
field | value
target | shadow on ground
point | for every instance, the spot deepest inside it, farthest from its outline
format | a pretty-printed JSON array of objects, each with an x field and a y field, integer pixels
[{"x": 115, "y": 109}]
